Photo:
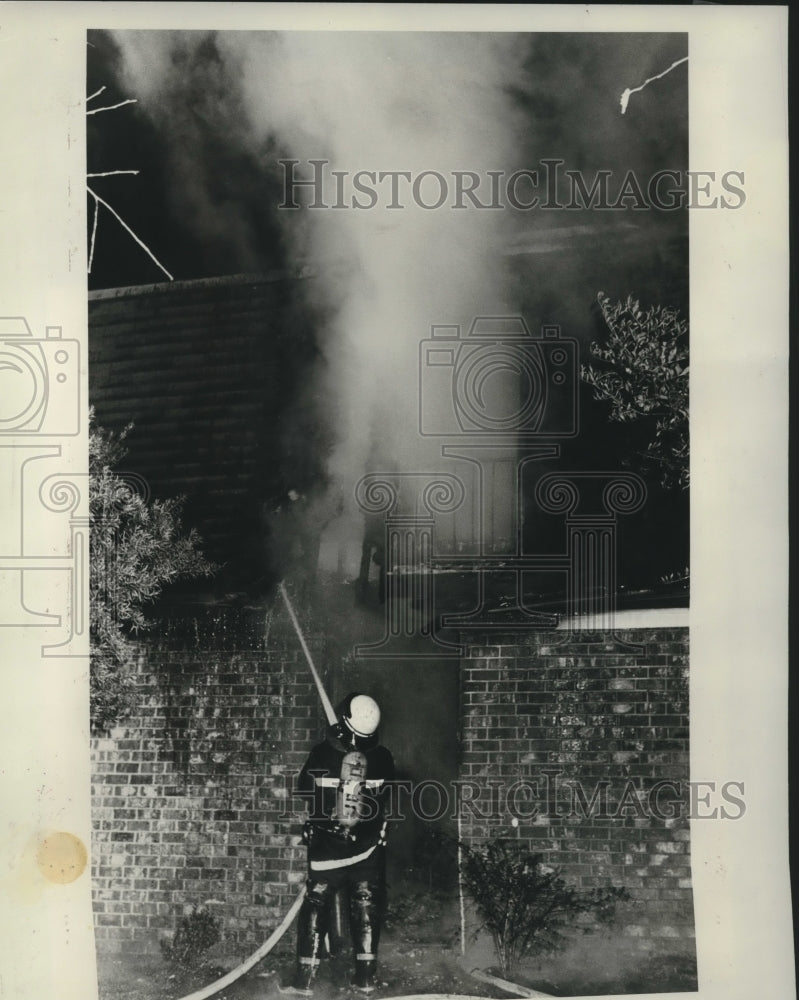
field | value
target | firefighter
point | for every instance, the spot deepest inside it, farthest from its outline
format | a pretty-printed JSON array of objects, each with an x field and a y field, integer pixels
[{"x": 346, "y": 783}]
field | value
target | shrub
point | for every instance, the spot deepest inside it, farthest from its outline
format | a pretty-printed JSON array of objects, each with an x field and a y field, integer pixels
[
  {"x": 197, "y": 931},
  {"x": 525, "y": 905},
  {"x": 643, "y": 374},
  {"x": 137, "y": 546}
]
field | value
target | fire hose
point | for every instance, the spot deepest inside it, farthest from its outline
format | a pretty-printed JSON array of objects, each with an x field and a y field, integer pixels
[
  {"x": 255, "y": 958},
  {"x": 277, "y": 934},
  {"x": 280, "y": 930}
]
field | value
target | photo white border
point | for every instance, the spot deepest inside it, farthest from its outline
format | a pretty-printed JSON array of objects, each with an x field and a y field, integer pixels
[{"x": 739, "y": 384}]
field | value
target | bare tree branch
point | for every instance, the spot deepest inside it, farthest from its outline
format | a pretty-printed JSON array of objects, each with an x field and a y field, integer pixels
[
  {"x": 625, "y": 97},
  {"x": 94, "y": 235},
  {"x": 113, "y": 173},
  {"x": 112, "y": 107},
  {"x": 99, "y": 201}
]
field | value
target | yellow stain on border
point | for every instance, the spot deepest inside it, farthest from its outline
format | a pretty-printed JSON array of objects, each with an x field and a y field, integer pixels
[{"x": 61, "y": 857}]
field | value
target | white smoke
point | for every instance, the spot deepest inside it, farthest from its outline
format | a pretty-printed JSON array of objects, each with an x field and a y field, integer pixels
[
  {"x": 379, "y": 102},
  {"x": 388, "y": 102}
]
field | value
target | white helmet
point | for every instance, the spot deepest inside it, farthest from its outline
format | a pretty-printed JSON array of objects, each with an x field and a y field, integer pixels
[{"x": 360, "y": 714}]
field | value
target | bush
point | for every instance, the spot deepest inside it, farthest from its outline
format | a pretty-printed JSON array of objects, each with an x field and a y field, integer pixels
[
  {"x": 643, "y": 374},
  {"x": 525, "y": 905},
  {"x": 137, "y": 546},
  {"x": 197, "y": 931}
]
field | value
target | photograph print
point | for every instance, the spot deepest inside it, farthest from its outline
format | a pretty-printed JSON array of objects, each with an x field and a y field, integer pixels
[{"x": 389, "y": 463}]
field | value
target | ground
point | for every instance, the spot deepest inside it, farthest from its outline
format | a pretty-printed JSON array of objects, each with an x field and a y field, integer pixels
[{"x": 420, "y": 952}]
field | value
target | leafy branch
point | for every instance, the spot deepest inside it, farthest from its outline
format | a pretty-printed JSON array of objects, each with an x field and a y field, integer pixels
[
  {"x": 525, "y": 905},
  {"x": 642, "y": 371},
  {"x": 137, "y": 547}
]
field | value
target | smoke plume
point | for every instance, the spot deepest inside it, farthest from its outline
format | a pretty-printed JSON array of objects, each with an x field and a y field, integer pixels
[
  {"x": 414, "y": 102},
  {"x": 377, "y": 102}
]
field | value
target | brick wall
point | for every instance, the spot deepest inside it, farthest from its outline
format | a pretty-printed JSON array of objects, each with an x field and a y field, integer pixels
[
  {"x": 588, "y": 710},
  {"x": 189, "y": 796},
  {"x": 215, "y": 376}
]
